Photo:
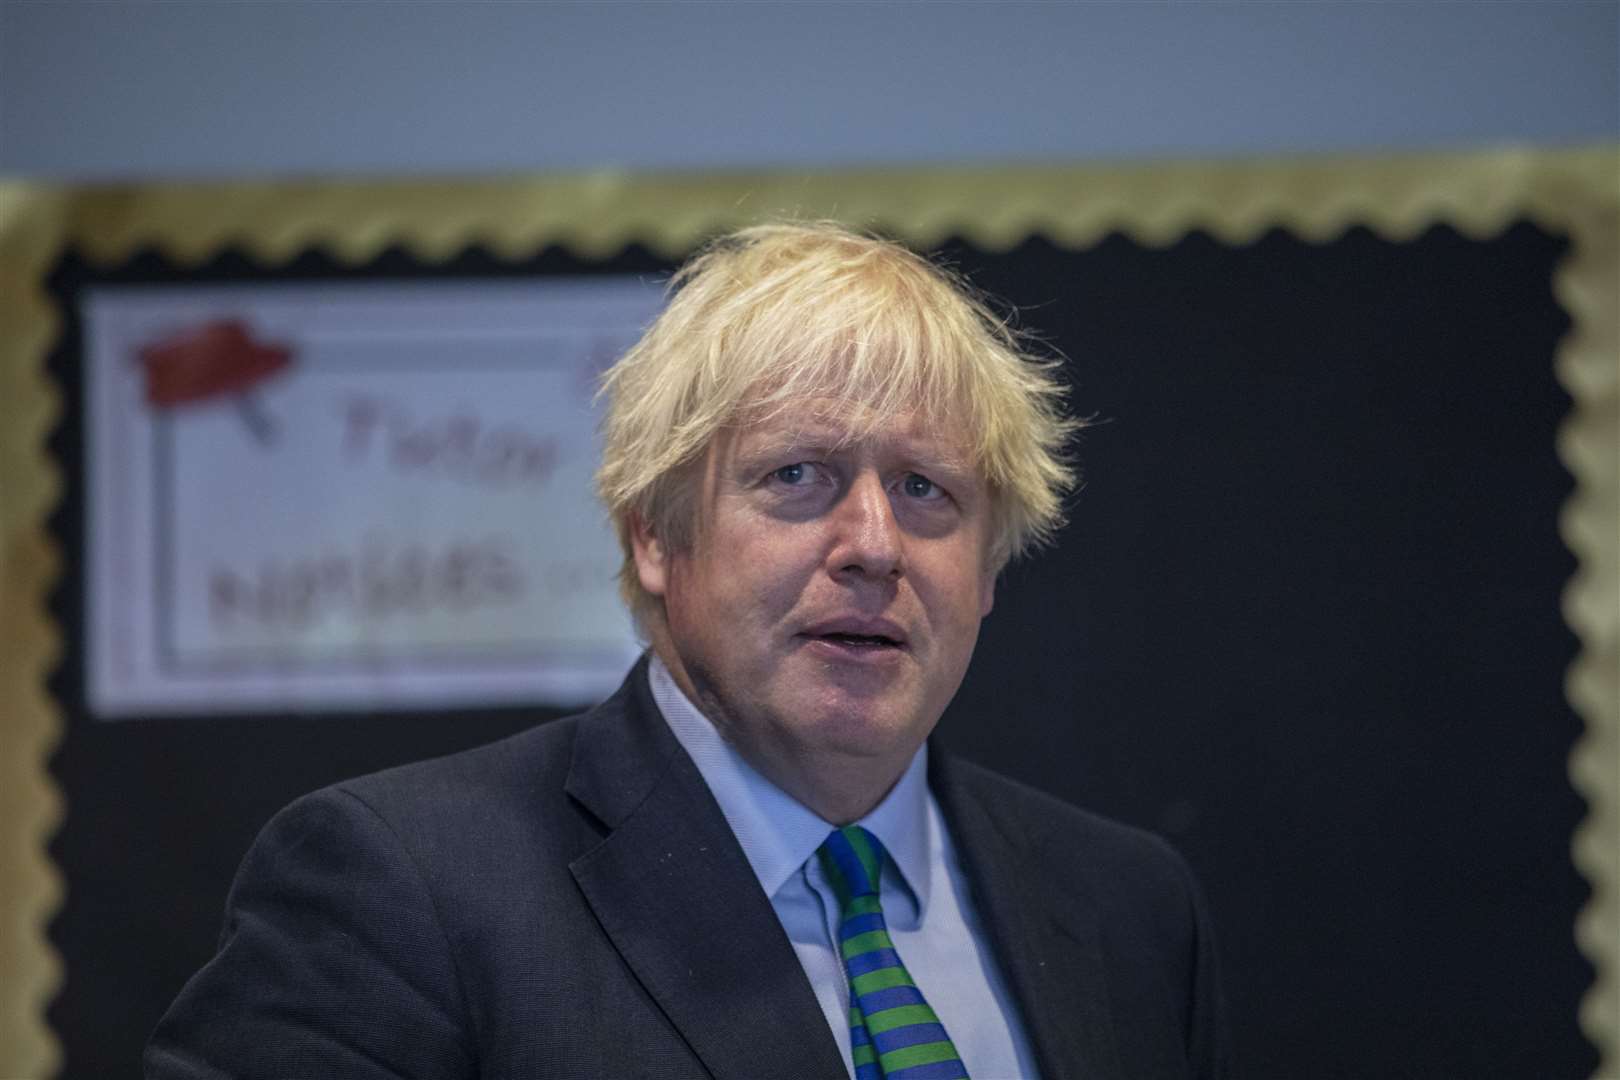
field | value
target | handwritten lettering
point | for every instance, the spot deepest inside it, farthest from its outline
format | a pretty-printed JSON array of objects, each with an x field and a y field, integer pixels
[
  {"x": 377, "y": 582},
  {"x": 459, "y": 446}
]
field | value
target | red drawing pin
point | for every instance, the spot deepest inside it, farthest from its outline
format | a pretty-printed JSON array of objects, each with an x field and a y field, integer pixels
[{"x": 214, "y": 361}]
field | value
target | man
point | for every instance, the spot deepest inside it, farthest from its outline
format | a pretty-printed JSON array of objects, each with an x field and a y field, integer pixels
[{"x": 748, "y": 862}]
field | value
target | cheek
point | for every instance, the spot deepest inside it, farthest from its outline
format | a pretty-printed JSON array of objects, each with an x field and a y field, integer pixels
[
  {"x": 693, "y": 593},
  {"x": 775, "y": 569},
  {"x": 959, "y": 601},
  {"x": 729, "y": 587}
]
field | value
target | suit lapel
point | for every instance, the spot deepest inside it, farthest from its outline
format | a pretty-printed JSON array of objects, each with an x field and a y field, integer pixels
[
  {"x": 676, "y": 896},
  {"x": 1045, "y": 937}
]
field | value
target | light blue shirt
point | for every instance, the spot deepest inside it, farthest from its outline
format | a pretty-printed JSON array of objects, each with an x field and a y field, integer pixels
[{"x": 927, "y": 907}]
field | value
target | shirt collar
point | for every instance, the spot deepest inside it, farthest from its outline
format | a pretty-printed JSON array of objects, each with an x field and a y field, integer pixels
[{"x": 778, "y": 833}]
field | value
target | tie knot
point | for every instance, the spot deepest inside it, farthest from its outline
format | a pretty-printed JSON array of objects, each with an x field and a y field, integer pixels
[{"x": 852, "y": 859}]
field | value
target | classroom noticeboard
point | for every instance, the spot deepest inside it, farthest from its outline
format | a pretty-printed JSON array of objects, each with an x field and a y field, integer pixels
[{"x": 355, "y": 496}]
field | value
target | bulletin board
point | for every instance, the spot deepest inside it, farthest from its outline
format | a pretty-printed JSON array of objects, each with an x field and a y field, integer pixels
[
  {"x": 1340, "y": 289},
  {"x": 452, "y": 425}
]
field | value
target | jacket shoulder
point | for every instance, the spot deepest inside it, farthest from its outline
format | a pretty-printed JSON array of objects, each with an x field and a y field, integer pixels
[
  {"x": 1123, "y": 888},
  {"x": 507, "y": 768},
  {"x": 1113, "y": 861},
  {"x": 1037, "y": 814}
]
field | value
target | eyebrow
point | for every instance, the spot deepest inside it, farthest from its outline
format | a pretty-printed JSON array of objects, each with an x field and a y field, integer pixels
[
  {"x": 814, "y": 441},
  {"x": 800, "y": 442}
]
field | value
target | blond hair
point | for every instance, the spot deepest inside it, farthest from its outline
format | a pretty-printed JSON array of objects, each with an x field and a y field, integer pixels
[{"x": 775, "y": 314}]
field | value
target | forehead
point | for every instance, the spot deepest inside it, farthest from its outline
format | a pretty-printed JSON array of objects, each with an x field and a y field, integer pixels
[{"x": 831, "y": 425}]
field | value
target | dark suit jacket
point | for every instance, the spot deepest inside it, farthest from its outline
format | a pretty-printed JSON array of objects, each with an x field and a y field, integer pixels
[{"x": 570, "y": 902}]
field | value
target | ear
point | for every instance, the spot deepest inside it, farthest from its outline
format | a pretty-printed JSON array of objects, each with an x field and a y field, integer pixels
[
  {"x": 987, "y": 592},
  {"x": 652, "y": 558}
]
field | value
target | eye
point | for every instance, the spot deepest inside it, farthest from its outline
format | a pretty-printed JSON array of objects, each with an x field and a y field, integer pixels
[
  {"x": 796, "y": 475},
  {"x": 918, "y": 486}
]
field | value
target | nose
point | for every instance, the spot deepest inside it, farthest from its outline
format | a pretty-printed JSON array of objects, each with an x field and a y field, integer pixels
[{"x": 867, "y": 540}]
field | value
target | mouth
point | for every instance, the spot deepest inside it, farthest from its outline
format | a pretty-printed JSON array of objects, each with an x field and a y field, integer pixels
[
  {"x": 859, "y": 641},
  {"x": 857, "y": 638}
]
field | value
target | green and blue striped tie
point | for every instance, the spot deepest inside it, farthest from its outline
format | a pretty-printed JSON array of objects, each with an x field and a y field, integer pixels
[{"x": 893, "y": 1033}]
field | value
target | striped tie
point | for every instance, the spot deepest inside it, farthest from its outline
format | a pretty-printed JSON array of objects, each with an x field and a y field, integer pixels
[{"x": 893, "y": 1032}]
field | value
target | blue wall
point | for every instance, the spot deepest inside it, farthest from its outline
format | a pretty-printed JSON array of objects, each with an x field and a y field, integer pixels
[{"x": 137, "y": 90}]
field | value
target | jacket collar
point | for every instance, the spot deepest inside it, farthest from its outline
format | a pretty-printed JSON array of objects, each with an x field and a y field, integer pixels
[
  {"x": 1044, "y": 935},
  {"x": 778, "y": 833},
  {"x": 676, "y": 895}
]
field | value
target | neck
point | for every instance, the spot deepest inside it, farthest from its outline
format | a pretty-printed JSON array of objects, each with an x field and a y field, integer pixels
[
  {"x": 834, "y": 794},
  {"x": 838, "y": 788}
]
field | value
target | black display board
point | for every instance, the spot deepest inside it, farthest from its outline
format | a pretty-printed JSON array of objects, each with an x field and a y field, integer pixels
[{"x": 1304, "y": 623}]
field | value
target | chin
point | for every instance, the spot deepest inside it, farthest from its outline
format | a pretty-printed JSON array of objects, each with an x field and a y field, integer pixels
[{"x": 859, "y": 729}]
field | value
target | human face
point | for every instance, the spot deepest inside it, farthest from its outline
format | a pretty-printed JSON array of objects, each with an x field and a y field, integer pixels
[{"x": 825, "y": 612}]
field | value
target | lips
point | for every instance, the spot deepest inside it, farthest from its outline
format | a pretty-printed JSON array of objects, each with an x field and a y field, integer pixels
[{"x": 855, "y": 632}]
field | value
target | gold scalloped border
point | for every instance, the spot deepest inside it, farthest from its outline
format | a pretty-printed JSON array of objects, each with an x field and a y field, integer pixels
[
  {"x": 1572, "y": 191},
  {"x": 32, "y": 224}
]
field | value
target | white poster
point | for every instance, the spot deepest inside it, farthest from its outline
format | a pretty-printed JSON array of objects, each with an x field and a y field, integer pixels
[{"x": 340, "y": 496}]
